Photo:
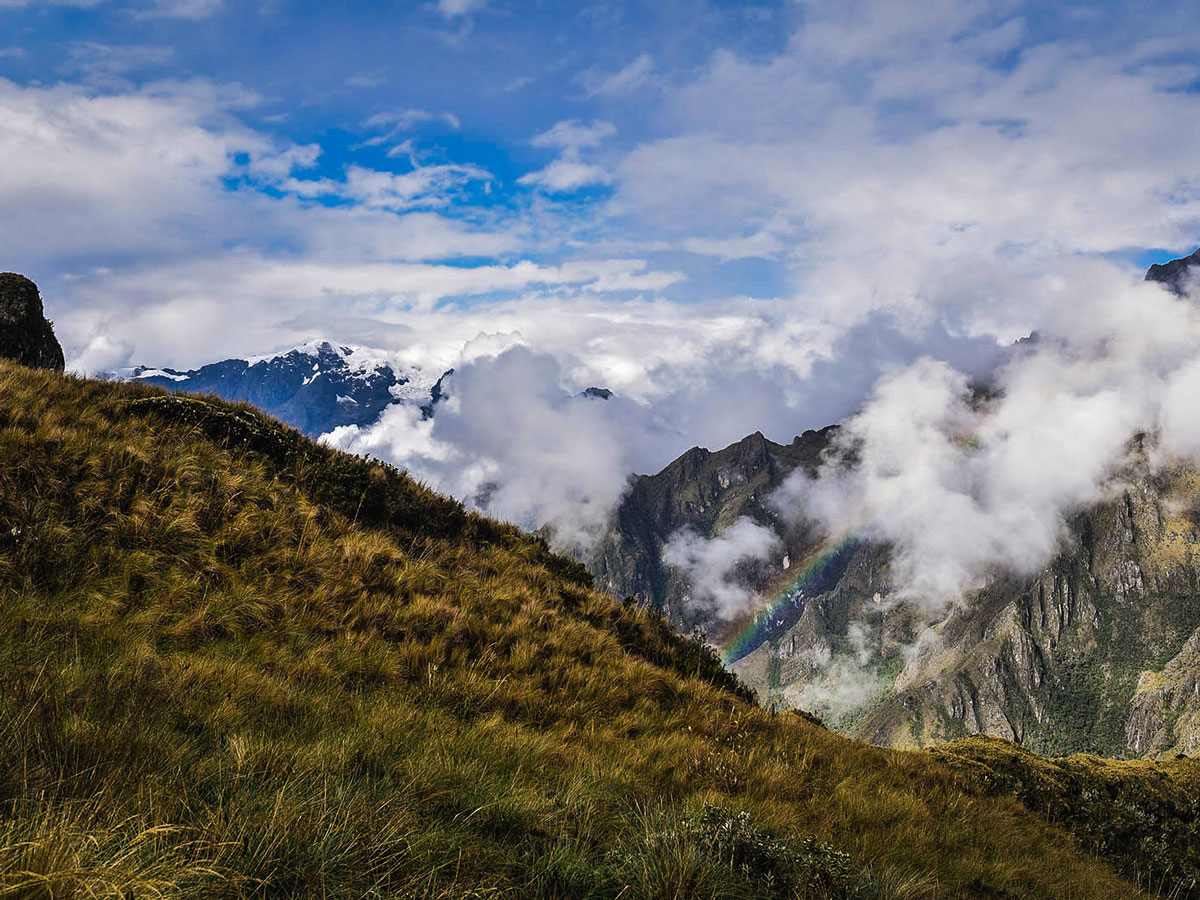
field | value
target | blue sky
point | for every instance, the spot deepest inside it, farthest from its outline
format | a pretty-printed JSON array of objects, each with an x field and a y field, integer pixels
[{"x": 736, "y": 215}]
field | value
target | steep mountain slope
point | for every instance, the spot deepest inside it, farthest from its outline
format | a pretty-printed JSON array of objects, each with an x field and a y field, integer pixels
[
  {"x": 1079, "y": 657},
  {"x": 1095, "y": 654},
  {"x": 236, "y": 663},
  {"x": 314, "y": 388}
]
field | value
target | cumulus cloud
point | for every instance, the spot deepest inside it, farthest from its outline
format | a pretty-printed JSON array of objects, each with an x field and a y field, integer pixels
[
  {"x": 714, "y": 567},
  {"x": 707, "y": 375},
  {"x": 178, "y": 315},
  {"x": 926, "y": 161},
  {"x": 89, "y": 172}
]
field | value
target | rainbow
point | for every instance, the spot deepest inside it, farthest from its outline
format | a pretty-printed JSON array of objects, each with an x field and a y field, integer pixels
[{"x": 751, "y": 634}]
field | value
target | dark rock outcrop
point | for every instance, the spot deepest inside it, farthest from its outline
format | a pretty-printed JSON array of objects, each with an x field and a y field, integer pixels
[{"x": 25, "y": 334}]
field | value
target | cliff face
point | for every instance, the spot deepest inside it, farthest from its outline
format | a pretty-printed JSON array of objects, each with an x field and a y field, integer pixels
[{"x": 1164, "y": 712}]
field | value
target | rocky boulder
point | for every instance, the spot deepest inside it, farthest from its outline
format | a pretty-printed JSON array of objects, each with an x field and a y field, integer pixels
[{"x": 25, "y": 333}]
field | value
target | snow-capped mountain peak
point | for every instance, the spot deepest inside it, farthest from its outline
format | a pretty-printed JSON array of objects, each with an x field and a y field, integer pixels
[{"x": 315, "y": 386}]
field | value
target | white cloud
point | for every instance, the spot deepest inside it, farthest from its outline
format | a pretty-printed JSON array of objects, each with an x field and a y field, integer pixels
[
  {"x": 454, "y": 8},
  {"x": 180, "y": 313},
  {"x": 96, "y": 60},
  {"x": 398, "y": 127},
  {"x": 405, "y": 119},
  {"x": 517, "y": 83},
  {"x": 762, "y": 244},
  {"x": 563, "y": 176},
  {"x": 424, "y": 187},
  {"x": 366, "y": 80},
  {"x": 842, "y": 684},
  {"x": 24, "y": 4},
  {"x": 911, "y": 171},
  {"x": 569, "y": 172},
  {"x": 88, "y": 173},
  {"x": 193, "y": 10},
  {"x": 573, "y": 135},
  {"x": 512, "y": 442},
  {"x": 963, "y": 489},
  {"x": 630, "y": 78},
  {"x": 712, "y": 566}
]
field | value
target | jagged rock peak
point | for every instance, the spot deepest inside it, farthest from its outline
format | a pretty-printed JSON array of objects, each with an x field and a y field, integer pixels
[
  {"x": 1174, "y": 273},
  {"x": 25, "y": 333}
]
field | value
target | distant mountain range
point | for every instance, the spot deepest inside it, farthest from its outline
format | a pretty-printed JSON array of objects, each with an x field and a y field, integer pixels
[{"x": 315, "y": 387}]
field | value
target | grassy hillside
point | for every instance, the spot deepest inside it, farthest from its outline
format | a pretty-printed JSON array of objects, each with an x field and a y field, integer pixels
[{"x": 237, "y": 664}]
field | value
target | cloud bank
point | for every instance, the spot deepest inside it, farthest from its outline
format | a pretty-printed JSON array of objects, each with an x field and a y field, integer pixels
[{"x": 964, "y": 485}]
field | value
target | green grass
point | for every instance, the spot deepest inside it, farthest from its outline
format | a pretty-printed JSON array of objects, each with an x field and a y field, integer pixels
[{"x": 236, "y": 664}]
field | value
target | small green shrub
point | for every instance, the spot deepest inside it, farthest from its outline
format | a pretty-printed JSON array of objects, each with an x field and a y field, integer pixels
[{"x": 721, "y": 854}]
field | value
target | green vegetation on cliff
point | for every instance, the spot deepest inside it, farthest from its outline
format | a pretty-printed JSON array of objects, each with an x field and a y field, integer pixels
[{"x": 238, "y": 664}]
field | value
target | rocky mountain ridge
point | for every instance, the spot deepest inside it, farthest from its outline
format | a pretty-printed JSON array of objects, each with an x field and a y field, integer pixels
[{"x": 316, "y": 387}]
